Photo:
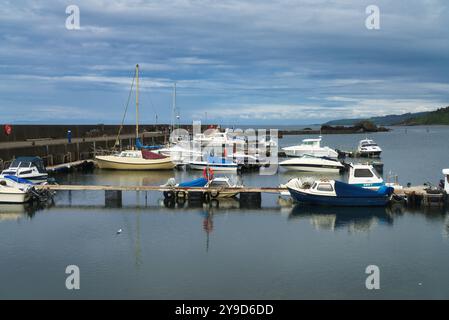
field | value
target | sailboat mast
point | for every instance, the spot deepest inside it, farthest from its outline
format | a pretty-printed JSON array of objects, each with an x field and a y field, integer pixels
[
  {"x": 174, "y": 108},
  {"x": 137, "y": 101}
]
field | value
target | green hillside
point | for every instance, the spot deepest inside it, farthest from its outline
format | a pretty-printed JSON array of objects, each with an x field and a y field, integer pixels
[
  {"x": 387, "y": 120},
  {"x": 440, "y": 116}
]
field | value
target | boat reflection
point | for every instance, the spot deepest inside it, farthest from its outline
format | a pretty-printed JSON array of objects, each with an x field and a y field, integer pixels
[
  {"x": 214, "y": 204},
  {"x": 20, "y": 211},
  {"x": 332, "y": 218}
]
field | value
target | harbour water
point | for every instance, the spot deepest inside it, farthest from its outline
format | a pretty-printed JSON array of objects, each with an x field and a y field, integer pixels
[{"x": 230, "y": 252}]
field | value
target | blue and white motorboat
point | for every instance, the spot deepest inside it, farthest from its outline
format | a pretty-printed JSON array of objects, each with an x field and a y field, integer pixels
[
  {"x": 337, "y": 193},
  {"x": 214, "y": 163},
  {"x": 15, "y": 190},
  {"x": 29, "y": 168}
]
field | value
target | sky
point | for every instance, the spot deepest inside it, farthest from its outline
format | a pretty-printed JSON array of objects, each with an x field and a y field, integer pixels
[{"x": 234, "y": 62}]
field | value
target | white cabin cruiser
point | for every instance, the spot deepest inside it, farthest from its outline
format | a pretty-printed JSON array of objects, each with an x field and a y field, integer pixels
[
  {"x": 180, "y": 153},
  {"x": 368, "y": 148},
  {"x": 214, "y": 163},
  {"x": 308, "y": 163},
  {"x": 30, "y": 168},
  {"x": 310, "y": 147},
  {"x": 15, "y": 190},
  {"x": 446, "y": 180}
]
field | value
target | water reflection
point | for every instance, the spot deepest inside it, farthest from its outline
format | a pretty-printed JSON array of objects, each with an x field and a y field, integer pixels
[
  {"x": 332, "y": 218},
  {"x": 20, "y": 211}
]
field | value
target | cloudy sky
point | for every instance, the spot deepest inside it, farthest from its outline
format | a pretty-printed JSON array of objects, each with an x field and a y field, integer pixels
[{"x": 242, "y": 62}]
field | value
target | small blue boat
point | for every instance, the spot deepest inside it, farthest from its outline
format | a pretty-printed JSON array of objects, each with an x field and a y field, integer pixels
[{"x": 337, "y": 193}]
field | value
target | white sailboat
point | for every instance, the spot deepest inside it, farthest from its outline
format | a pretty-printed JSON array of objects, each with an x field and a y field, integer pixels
[{"x": 136, "y": 159}]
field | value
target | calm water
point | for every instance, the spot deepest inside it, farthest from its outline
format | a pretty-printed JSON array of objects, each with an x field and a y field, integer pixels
[{"x": 273, "y": 252}]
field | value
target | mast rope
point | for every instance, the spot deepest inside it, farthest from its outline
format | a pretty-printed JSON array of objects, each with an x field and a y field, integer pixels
[{"x": 117, "y": 140}]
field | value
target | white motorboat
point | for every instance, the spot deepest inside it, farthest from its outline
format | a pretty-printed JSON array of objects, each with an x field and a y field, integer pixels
[
  {"x": 180, "y": 153},
  {"x": 311, "y": 147},
  {"x": 446, "y": 180},
  {"x": 216, "y": 138},
  {"x": 217, "y": 186},
  {"x": 308, "y": 163},
  {"x": 30, "y": 168},
  {"x": 14, "y": 190},
  {"x": 214, "y": 163},
  {"x": 368, "y": 148}
]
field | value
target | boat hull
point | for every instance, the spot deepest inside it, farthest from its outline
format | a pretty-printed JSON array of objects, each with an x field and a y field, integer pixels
[
  {"x": 14, "y": 197},
  {"x": 214, "y": 167},
  {"x": 307, "y": 198},
  {"x": 297, "y": 153},
  {"x": 308, "y": 168},
  {"x": 123, "y": 163}
]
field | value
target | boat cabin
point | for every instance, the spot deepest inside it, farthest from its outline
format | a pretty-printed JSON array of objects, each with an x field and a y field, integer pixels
[
  {"x": 365, "y": 176},
  {"x": 367, "y": 143},
  {"x": 21, "y": 164},
  {"x": 323, "y": 187},
  {"x": 312, "y": 143}
]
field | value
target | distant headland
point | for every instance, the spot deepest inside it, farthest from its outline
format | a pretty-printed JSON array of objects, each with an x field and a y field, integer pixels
[{"x": 437, "y": 117}]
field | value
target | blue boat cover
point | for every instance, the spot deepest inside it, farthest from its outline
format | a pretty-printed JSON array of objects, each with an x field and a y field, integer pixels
[
  {"x": 200, "y": 182},
  {"x": 347, "y": 190},
  {"x": 139, "y": 146},
  {"x": 19, "y": 180}
]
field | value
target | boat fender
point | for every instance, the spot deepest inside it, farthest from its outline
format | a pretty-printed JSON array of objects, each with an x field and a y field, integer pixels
[
  {"x": 397, "y": 198},
  {"x": 7, "y": 129},
  {"x": 169, "y": 194},
  {"x": 214, "y": 193},
  {"x": 208, "y": 175},
  {"x": 207, "y": 197}
]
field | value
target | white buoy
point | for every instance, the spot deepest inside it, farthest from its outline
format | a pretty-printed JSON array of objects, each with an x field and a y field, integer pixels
[{"x": 119, "y": 231}]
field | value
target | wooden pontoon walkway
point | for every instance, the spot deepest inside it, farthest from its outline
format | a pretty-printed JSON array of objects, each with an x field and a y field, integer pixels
[
  {"x": 417, "y": 190},
  {"x": 59, "y": 187}
]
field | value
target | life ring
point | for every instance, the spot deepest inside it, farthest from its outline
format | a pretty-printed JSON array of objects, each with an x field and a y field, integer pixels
[
  {"x": 180, "y": 195},
  {"x": 7, "y": 129}
]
